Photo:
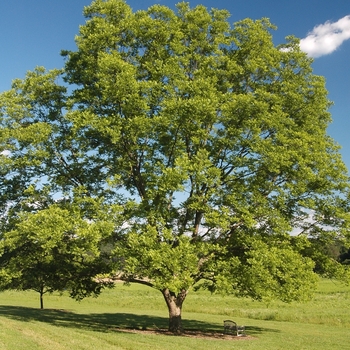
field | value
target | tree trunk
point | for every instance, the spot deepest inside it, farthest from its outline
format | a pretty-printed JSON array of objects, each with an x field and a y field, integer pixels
[
  {"x": 41, "y": 292},
  {"x": 174, "y": 303},
  {"x": 41, "y": 300}
]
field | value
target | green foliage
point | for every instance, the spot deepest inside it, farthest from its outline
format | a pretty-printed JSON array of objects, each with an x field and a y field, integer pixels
[
  {"x": 55, "y": 249},
  {"x": 220, "y": 136}
]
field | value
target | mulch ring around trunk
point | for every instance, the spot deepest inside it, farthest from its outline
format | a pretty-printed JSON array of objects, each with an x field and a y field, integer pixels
[{"x": 187, "y": 333}]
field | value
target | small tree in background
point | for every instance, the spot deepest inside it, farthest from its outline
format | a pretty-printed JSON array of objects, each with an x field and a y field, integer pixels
[{"x": 55, "y": 249}]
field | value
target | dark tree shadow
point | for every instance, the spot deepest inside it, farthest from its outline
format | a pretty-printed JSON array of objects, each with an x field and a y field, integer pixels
[{"x": 110, "y": 322}]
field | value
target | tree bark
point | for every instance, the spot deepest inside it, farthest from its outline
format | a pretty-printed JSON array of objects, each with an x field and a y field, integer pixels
[
  {"x": 174, "y": 303},
  {"x": 41, "y": 300}
]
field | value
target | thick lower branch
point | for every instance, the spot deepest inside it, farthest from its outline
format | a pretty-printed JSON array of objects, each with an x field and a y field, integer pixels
[{"x": 126, "y": 279}]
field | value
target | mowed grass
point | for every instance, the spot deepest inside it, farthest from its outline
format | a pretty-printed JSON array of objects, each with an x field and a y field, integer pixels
[{"x": 102, "y": 323}]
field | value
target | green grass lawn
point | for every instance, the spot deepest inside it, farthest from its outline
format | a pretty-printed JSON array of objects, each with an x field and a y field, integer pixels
[{"x": 100, "y": 323}]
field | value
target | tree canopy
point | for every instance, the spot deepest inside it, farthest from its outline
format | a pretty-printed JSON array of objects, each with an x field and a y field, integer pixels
[
  {"x": 55, "y": 249},
  {"x": 207, "y": 142}
]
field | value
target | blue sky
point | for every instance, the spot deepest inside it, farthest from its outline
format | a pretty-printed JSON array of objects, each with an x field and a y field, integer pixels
[{"x": 32, "y": 33}]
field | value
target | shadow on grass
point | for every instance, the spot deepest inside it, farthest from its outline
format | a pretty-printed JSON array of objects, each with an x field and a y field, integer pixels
[{"x": 106, "y": 322}]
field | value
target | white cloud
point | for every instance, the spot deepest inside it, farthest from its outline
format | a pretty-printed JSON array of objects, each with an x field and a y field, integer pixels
[
  {"x": 326, "y": 38},
  {"x": 5, "y": 153}
]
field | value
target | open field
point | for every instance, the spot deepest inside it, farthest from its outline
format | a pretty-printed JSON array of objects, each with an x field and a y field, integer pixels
[{"x": 105, "y": 322}]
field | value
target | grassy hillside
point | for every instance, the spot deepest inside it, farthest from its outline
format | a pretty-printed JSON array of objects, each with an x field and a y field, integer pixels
[{"x": 106, "y": 322}]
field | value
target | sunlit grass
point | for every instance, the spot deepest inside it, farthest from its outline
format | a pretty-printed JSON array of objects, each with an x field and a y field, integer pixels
[
  {"x": 327, "y": 307},
  {"x": 321, "y": 323}
]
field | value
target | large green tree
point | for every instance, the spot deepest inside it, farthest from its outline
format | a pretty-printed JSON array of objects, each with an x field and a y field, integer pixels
[{"x": 211, "y": 138}]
